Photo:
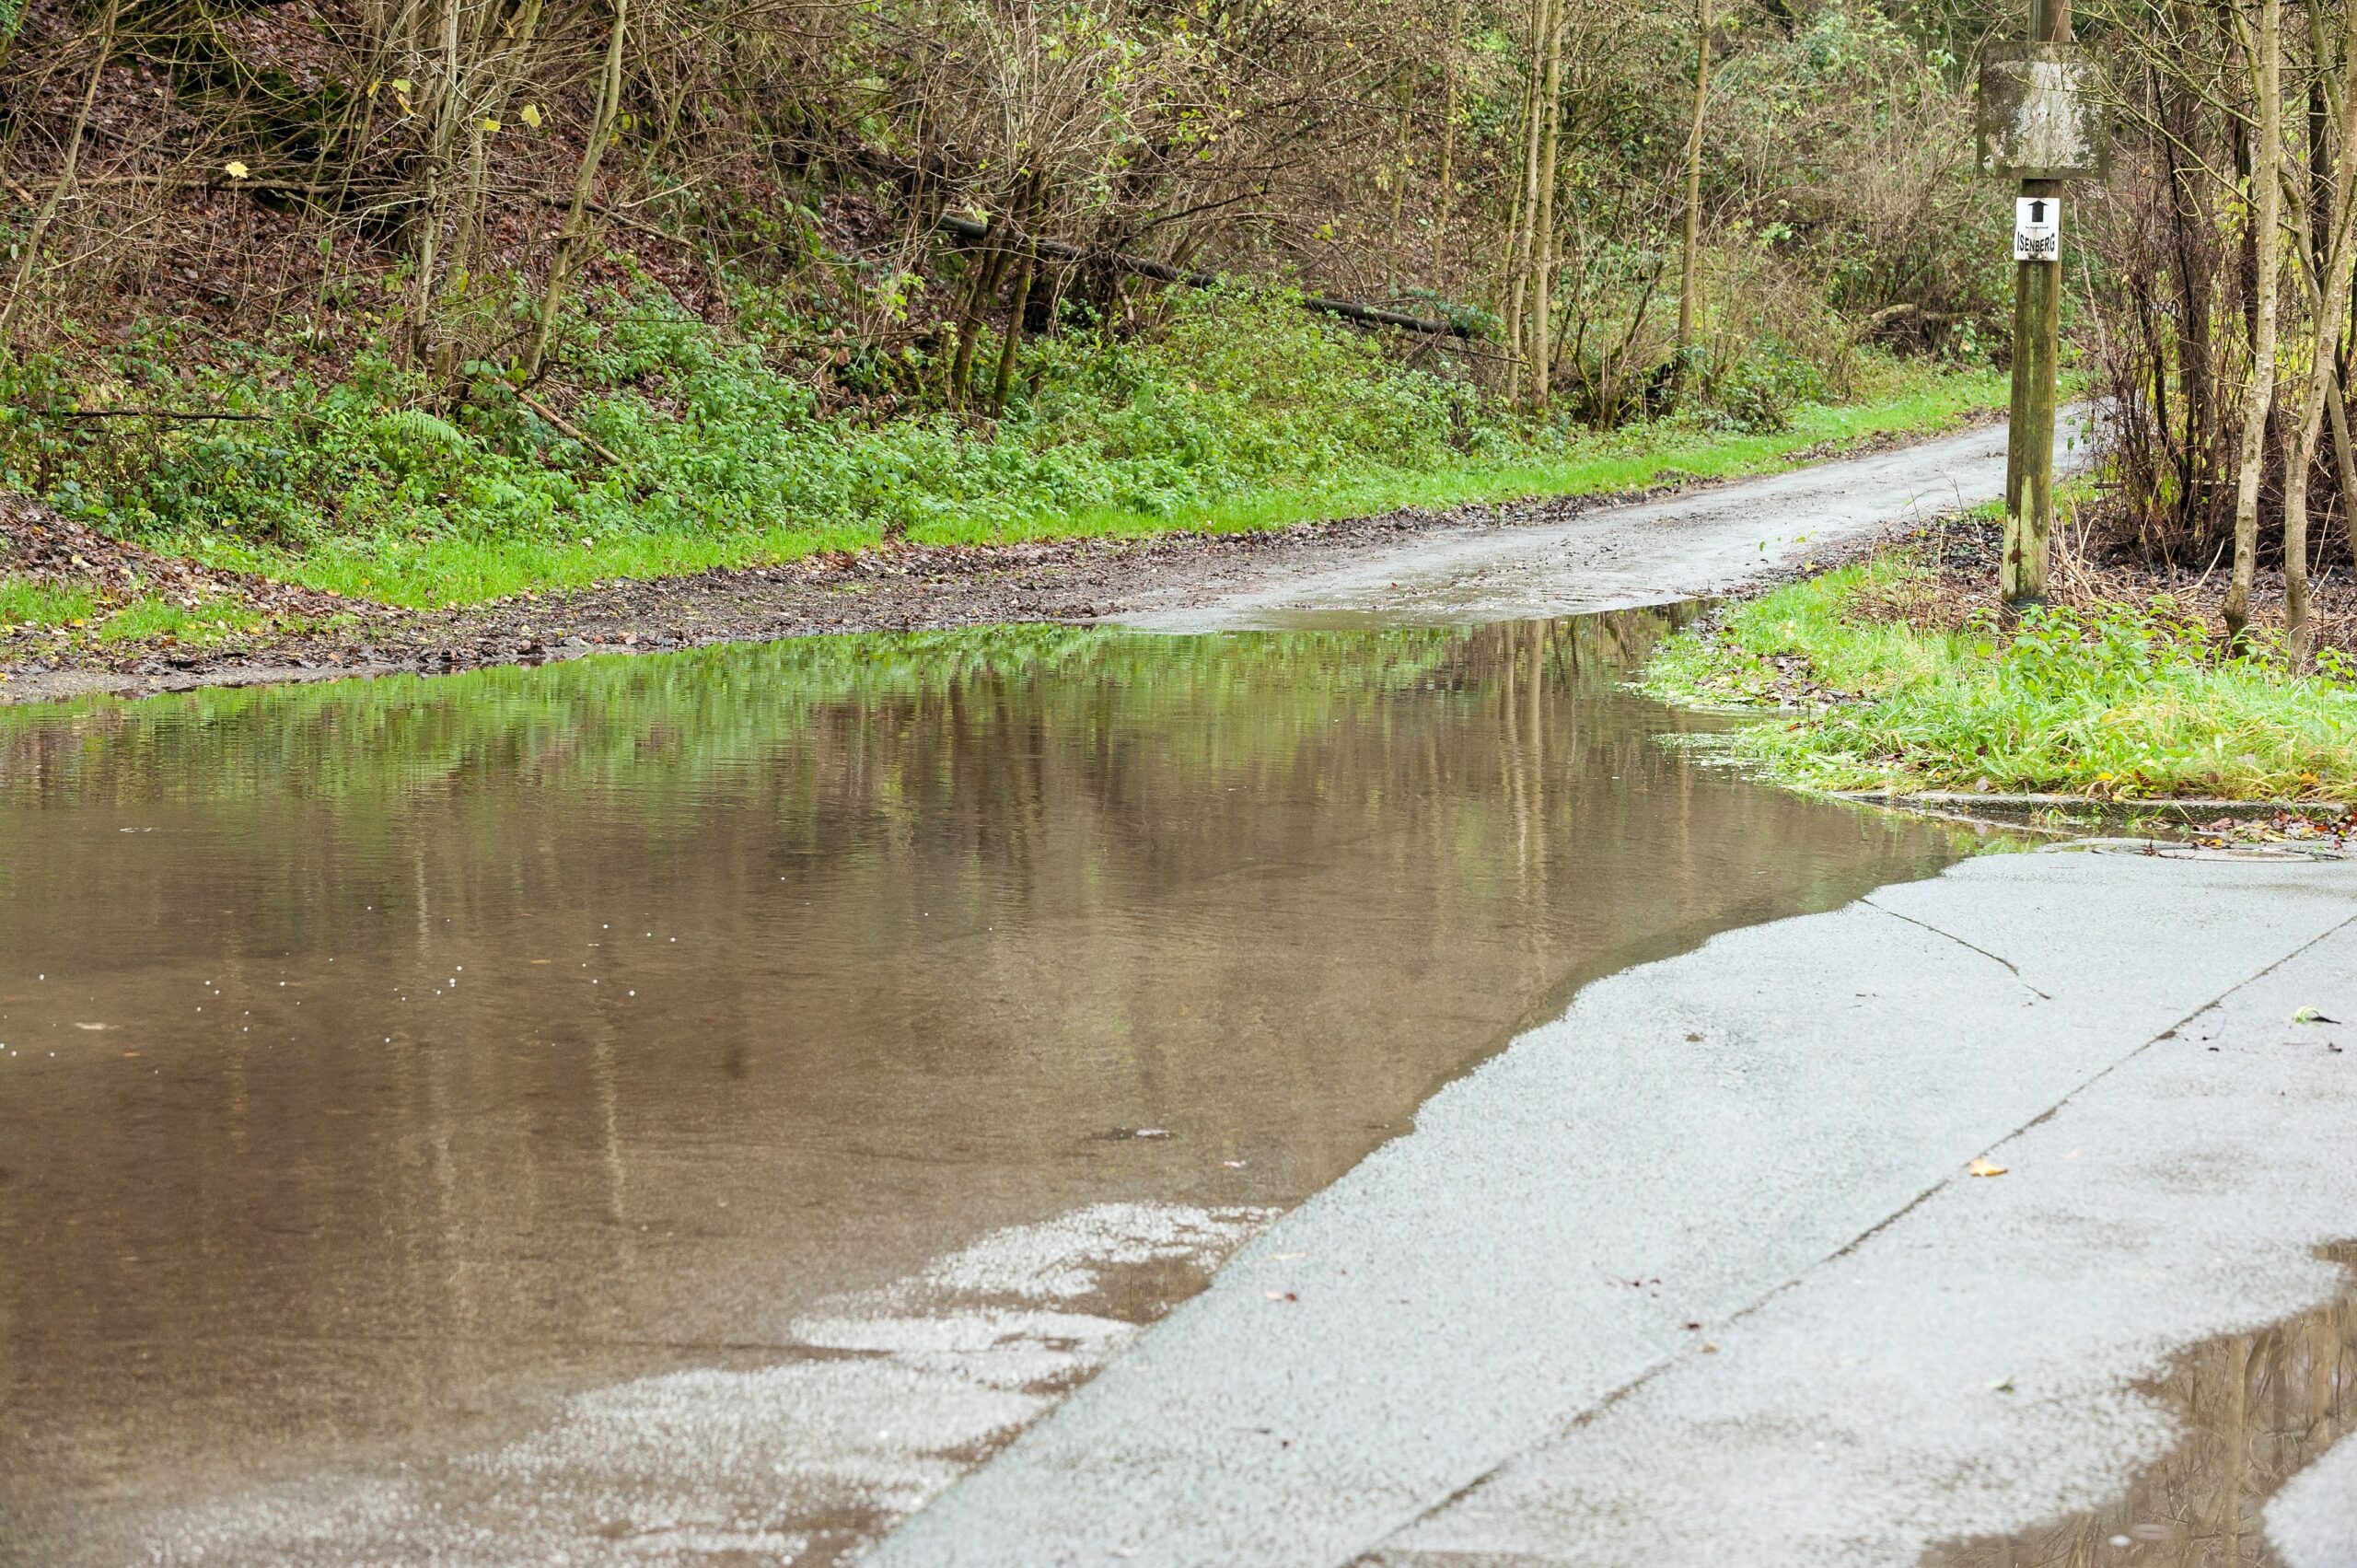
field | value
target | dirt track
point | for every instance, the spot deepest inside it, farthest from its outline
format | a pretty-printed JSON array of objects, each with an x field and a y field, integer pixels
[{"x": 1683, "y": 540}]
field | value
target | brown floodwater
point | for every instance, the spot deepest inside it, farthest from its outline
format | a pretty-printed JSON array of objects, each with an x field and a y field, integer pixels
[
  {"x": 385, "y": 1064},
  {"x": 2252, "y": 1412}
]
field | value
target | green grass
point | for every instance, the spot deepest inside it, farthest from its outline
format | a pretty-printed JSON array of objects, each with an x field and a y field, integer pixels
[
  {"x": 2120, "y": 703},
  {"x": 149, "y": 618},
  {"x": 1589, "y": 465},
  {"x": 78, "y": 612},
  {"x": 24, "y": 602},
  {"x": 470, "y": 567},
  {"x": 682, "y": 448}
]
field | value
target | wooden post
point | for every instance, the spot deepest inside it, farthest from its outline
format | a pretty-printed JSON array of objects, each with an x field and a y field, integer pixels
[{"x": 2038, "y": 345}]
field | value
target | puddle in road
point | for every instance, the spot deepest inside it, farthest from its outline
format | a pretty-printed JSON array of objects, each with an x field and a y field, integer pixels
[
  {"x": 2254, "y": 1411},
  {"x": 427, "y": 1100}
]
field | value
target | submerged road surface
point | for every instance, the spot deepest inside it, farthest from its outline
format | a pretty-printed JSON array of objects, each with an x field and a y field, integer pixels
[
  {"x": 1699, "y": 1275},
  {"x": 692, "y": 1109},
  {"x": 1682, "y": 547}
]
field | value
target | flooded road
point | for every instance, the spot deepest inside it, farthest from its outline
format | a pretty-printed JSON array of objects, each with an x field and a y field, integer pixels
[{"x": 693, "y": 1108}]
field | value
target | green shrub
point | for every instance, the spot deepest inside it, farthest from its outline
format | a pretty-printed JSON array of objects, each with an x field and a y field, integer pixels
[
  {"x": 1237, "y": 390},
  {"x": 1759, "y": 389}
]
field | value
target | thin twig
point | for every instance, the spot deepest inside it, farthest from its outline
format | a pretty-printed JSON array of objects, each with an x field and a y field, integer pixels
[
  {"x": 135, "y": 414},
  {"x": 567, "y": 427}
]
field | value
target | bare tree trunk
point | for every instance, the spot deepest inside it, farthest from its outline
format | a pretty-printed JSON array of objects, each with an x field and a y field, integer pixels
[
  {"x": 1693, "y": 195},
  {"x": 610, "y": 92},
  {"x": 1402, "y": 159},
  {"x": 1013, "y": 344},
  {"x": 448, "y": 104},
  {"x": 988, "y": 266},
  {"x": 2330, "y": 216},
  {"x": 57, "y": 193},
  {"x": 2345, "y": 460},
  {"x": 2266, "y": 197},
  {"x": 2196, "y": 273},
  {"x": 1542, "y": 279},
  {"x": 1445, "y": 196},
  {"x": 1526, "y": 196},
  {"x": 1027, "y": 267},
  {"x": 478, "y": 147}
]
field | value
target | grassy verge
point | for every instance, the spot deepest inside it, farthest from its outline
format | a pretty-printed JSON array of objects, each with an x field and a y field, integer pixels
[
  {"x": 73, "y": 614},
  {"x": 2117, "y": 703},
  {"x": 666, "y": 446},
  {"x": 470, "y": 567}
]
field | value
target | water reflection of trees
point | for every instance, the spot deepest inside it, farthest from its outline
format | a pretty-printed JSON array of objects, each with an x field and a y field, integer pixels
[
  {"x": 2253, "y": 1410},
  {"x": 681, "y": 718},
  {"x": 892, "y": 934}
]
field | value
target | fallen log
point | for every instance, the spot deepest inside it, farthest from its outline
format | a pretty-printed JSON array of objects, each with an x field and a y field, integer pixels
[{"x": 1349, "y": 310}]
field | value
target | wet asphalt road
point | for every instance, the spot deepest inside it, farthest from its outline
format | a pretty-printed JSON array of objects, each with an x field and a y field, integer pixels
[{"x": 1697, "y": 1275}]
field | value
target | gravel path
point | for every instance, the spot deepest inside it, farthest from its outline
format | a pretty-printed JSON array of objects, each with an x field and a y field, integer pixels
[{"x": 1466, "y": 563}]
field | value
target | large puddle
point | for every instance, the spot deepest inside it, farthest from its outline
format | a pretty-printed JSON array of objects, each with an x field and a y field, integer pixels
[{"x": 425, "y": 1104}]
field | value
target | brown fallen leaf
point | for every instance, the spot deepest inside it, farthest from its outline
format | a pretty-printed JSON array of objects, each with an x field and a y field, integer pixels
[{"x": 1985, "y": 1167}]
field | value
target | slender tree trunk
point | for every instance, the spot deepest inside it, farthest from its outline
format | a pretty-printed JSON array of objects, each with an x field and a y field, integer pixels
[
  {"x": 1526, "y": 197},
  {"x": 519, "y": 52},
  {"x": 2196, "y": 276},
  {"x": 1686, "y": 285},
  {"x": 990, "y": 266},
  {"x": 1542, "y": 279},
  {"x": 1027, "y": 268},
  {"x": 57, "y": 193},
  {"x": 2267, "y": 195},
  {"x": 610, "y": 92},
  {"x": 2345, "y": 460},
  {"x": 449, "y": 102},
  {"x": 2331, "y": 217},
  {"x": 970, "y": 319},
  {"x": 1402, "y": 159},
  {"x": 1024, "y": 269},
  {"x": 1445, "y": 196}
]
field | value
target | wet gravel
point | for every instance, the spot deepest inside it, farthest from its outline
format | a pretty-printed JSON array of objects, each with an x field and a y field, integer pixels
[{"x": 898, "y": 588}]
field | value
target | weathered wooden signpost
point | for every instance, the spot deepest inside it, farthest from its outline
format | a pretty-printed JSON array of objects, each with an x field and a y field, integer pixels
[{"x": 2039, "y": 124}]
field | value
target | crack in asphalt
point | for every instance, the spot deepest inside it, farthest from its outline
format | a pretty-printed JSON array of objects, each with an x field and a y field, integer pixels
[{"x": 2010, "y": 967}]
